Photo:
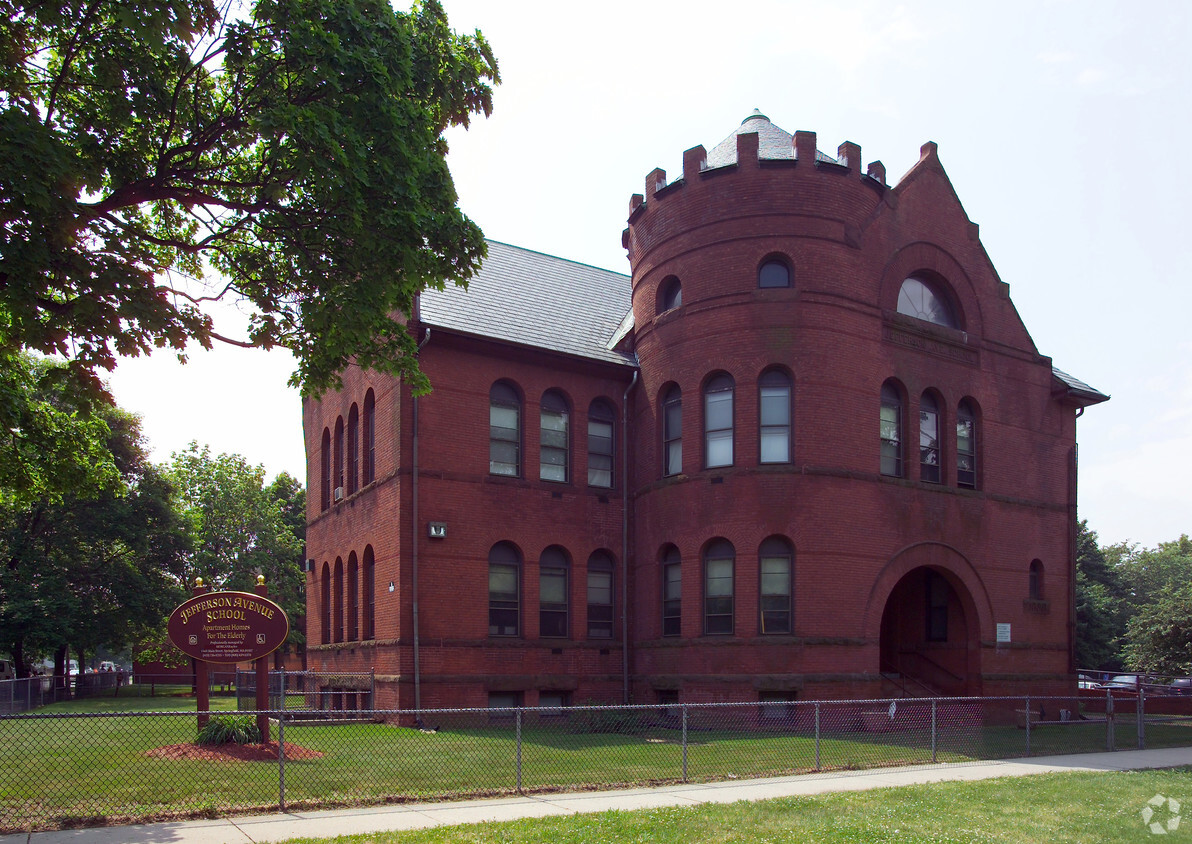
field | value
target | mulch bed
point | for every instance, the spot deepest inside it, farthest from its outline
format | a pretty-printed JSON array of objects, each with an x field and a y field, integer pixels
[{"x": 232, "y": 752}]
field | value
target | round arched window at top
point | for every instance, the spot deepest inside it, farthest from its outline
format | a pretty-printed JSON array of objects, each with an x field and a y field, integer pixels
[
  {"x": 922, "y": 300},
  {"x": 774, "y": 273},
  {"x": 670, "y": 294}
]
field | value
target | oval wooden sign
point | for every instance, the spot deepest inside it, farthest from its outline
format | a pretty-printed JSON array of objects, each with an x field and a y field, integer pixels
[{"x": 228, "y": 627}]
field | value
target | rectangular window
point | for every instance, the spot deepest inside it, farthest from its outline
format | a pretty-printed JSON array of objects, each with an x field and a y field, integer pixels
[
  {"x": 502, "y": 600},
  {"x": 672, "y": 436},
  {"x": 552, "y": 603},
  {"x": 776, "y": 594},
  {"x": 504, "y": 450},
  {"x": 501, "y": 704},
  {"x": 718, "y": 596},
  {"x": 553, "y": 446},
  {"x": 966, "y": 453},
  {"x": 553, "y": 703},
  {"x": 929, "y": 446},
  {"x": 891, "y": 441},
  {"x": 600, "y": 453},
  {"x": 777, "y": 706},
  {"x": 600, "y": 604},
  {"x": 718, "y": 427},
  {"x": 775, "y": 431},
  {"x": 672, "y": 603}
]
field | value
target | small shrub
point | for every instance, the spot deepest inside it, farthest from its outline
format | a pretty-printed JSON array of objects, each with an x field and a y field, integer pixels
[{"x": 230, "y": 729}]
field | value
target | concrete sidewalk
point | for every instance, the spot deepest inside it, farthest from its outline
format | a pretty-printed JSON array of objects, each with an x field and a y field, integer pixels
[{"x": 255, "y": 829}]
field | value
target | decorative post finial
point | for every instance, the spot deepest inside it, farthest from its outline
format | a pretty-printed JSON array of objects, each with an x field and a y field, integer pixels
[
  {"x": 199, "y": 582},
  {"x": 260, "y": 580}
]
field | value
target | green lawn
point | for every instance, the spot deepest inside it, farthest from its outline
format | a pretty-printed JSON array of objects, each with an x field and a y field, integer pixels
[
  {"x": 1075, "y": 807},
  {"x": 85, "y": 768}
]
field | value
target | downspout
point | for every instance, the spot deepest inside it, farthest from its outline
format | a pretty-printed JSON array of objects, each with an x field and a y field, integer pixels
[
  {"x": 625, "y": 539},
  {"x": 414, "y": 538}
]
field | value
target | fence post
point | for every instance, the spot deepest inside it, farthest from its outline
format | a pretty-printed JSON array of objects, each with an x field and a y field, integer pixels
[
  {"x": 817, "y": 736},
  {"x": 1141, "y": 717},
  {"x": 372, "y": 688},
  {"x": 684, "y": 742},
  {"x": 1109, "y": 740},
  {"x": 1028, "y": 725},
  {"x": 518, "y": 714},
  {"x": 934, "y": 740},
  {"x": 281, "y": 761}
]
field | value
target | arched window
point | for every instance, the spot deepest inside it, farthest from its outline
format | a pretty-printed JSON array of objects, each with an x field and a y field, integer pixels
[
  {"x": 370, "y": 438},
  {"x": 929, "y": 439},
  {"x": 600, "y": 595},
  {"x": 718, "y": 422},
  {"x": 672, "y": 431},
  {"x": 353, "y": 449},
  {"x": 338, "y": 473},
  {"x": 552, "y": 593},
  {"x": 601, "y": 427},
  {"x": 504, "y": 589},
  {"x": 774, "y": 417},
  {"x": 369, "y": 597},
  {"x": 672, "y": 592},
  {"x": 554, "y": 438},
  {"x": 891, "y": 430},
  {"x": 774, "y": 272},
  {"x": 337, "y": 602},
  {"x": 1035, "y": 582},
  {"x": 325, "y": 601},
  {"x": 923, "y": 300},
  {"x": 966, "y": 445},
  {"x": 775, "y": 564},
  {"x": 670, "y": 294},
  {"x": 353, "y": 606},
  {"x": 719, "y": 557},
  {"x": 325, "y": 469},
  {"x": 504, "y": 430}
]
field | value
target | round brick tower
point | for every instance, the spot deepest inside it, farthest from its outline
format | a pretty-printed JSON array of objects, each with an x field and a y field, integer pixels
[{"x": 789, "y": 540}]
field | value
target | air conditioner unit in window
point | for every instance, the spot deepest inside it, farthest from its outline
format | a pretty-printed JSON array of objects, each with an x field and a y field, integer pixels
[{"x": 339, "y": 494}]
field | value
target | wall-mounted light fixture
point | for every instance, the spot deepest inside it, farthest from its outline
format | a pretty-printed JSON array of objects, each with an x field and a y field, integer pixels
[
  {"x": 436, "y": 530},
  {"x": 391, "y": 586}
]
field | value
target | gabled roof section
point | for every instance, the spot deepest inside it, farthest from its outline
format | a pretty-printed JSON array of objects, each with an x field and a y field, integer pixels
[
  {"x": 1074, "y": 389},
  {"x": 536, "y": 300}
]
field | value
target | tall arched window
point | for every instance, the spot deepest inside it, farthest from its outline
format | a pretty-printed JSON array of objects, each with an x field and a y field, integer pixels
[
  {"x": 719, "y": 558},
  {"x": 504, "y": 430},
  {"x": 1035, "y": 582},
  {"x": 929, "y": 439},
  {"x": 504, "y": 590},
  {"x": 891, "y": 430},
  {"x": 370, "y": 437},
  {"x": 670, "y": 294},
  {"x": 325, "y": 602},
  {"x": 554, "y": 438},
  {"x": 672, "y": 592},
  {"x": 353, "y": 449},
  {"x": 338, "y": 473},
  {"x": 325, "y": 470},
  {"x": 672, "y": 431},
  {"x": 718, "y": 422},
  {"x": 600, "y": 595},
  {"x": 774, "y": 272},
  {"x": 774, "y": 417},
  {"x": 966, "y": 445},
  {"x": 926, "y": 301},
  {"x": 368, "y": 586},
  {"x": 553, "y": 591},
  {"x": 353, "y": 605},
  {"x": 601, "y": 427},
  {"x": 337, "y": 602},
  {"x": 776, "y": 569}
]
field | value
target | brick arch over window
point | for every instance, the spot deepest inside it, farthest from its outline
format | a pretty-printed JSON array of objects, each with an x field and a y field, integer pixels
[
  {"x": 930, "y": 262},
  {"x": 775, "y": 272}
]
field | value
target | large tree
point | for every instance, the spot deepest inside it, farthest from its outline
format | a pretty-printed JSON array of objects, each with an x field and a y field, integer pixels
[
  {"x": 295, "y": 148},
  {"x": 241, "y": 528},
  {"x": 1100, "y": 615}
]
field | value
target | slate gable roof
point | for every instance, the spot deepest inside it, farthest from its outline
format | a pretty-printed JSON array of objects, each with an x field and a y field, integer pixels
[{"x": 536, "y": 300}]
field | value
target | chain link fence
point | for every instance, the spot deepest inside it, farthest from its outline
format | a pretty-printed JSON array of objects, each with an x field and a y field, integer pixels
[{"x": 69, "y": 770}]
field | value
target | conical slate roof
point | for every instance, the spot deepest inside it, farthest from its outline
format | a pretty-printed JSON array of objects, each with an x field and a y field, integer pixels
[{"x": 773, "y": 143}]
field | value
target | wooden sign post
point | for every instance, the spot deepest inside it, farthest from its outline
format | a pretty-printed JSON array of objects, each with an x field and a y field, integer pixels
[{"x": 229, "y": 627}]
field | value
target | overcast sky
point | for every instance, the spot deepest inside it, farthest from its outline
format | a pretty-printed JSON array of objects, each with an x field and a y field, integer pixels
[{"x": 1064, "y": 127}]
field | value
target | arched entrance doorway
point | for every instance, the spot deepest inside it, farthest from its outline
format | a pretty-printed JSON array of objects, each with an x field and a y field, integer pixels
[{"x": 930, "y": 639}]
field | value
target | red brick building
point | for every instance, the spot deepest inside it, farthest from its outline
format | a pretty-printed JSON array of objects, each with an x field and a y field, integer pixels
[{"x": 807, "y": 449}]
